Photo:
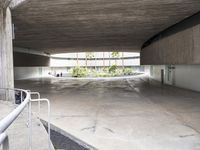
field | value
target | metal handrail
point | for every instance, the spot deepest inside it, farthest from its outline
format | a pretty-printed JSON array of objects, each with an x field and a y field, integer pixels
[
  {"x": 10, "y": 118},
  {"x": 7, "y": 121}
]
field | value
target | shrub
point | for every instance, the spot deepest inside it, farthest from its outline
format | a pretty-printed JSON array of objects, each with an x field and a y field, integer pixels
[
  {"x": 103, "y": 74},
  {"x": 127, "y": 71},
  {"x": 112, "y": 69},
  {"x": 105, "y": 69},
  {"x": 79, "y": 72}
]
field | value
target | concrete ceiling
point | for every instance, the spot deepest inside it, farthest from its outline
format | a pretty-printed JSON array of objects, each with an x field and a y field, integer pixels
[{"x": 57, "y": 26}]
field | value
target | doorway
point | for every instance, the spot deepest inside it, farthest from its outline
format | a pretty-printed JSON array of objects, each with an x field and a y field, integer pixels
[{"x": 170, "y": 75}]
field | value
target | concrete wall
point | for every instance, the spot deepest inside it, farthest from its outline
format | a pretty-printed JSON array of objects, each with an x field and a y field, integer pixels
[
  {"x": 30, "y": 72},
  {"x": 32, "y": 60},
  {"x": 177, "y": 51},
  {"x": 179, "y": 44},
  {"x": 184, "y": 76},
  {"x": 37, "y": 72},
  {"x": 30, "y": 64}
]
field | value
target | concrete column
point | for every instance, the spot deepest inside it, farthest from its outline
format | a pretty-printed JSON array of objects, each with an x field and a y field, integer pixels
[{"x": 6, "y": 49}]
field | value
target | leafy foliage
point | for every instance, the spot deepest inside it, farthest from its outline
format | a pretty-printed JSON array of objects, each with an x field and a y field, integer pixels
[
  {"x": 115, "y": 54},
  {"x": 90, "y": 55},
  {"x": 104, "y": 72},
  {"x": 112, "y": 69},
  {"x": 79, "y": 72},
  {"x": 127, "y": 71}
]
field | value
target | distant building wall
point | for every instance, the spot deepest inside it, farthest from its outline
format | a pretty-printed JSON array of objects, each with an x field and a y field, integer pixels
[
  {"x": 99, "y": 59},
  {"x": 90, "y": 63}
]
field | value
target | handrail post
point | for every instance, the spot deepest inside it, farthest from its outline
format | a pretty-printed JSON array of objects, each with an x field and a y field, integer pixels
[
  {"x": 38, "y": 97},
  {"x": 6, "y": 143},
  {"x": 30, "y": 125},
  {"x": 48, "y": 124},
  {"x": 4, "y": 140},
  {"x": 21, "y": 96}
]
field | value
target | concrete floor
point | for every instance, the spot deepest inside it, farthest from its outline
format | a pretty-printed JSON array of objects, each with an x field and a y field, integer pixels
[{"x": 122, "y": 114}]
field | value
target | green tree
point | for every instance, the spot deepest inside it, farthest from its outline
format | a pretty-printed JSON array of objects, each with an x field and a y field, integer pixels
[
  {"x": 115, "y": 55},
  {"x": 88, "y": 55},
  {"x": 79, "y": 72}
]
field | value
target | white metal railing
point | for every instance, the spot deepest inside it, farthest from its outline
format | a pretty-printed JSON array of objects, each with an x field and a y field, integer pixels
[
  {"x": 39, "y": 100},
  {"x": 10, "y": 118},
  {"x": 49, "y": 129}
]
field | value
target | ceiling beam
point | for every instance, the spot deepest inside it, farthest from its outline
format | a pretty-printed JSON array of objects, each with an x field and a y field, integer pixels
[
  {"x": 17, "y": 3},
  {"x": 6, "y": 3}
]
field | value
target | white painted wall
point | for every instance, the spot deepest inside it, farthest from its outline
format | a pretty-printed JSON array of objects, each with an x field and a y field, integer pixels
[
  {"x": 59, "y": 70},
  {"x": 36, "y": 72},
  {"x": 185, "y": 76},
  {"x": 188, "y": 76},
  {"x": 155, "y": 72}
]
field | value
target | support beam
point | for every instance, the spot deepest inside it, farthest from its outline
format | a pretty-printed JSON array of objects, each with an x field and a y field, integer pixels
[
  {"x": 16, "y": 3},
  {"x": 6, "y": 3},
  {"x": 6, "y": 49}
]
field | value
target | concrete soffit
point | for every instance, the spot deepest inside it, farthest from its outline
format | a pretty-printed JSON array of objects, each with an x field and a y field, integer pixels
[
  {"x": 29, "y": 51},
  {"x": 187, "y": 23}
]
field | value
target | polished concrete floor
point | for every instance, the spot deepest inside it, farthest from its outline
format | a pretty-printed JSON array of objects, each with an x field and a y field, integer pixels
[{"x": 122, "y": 114}]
